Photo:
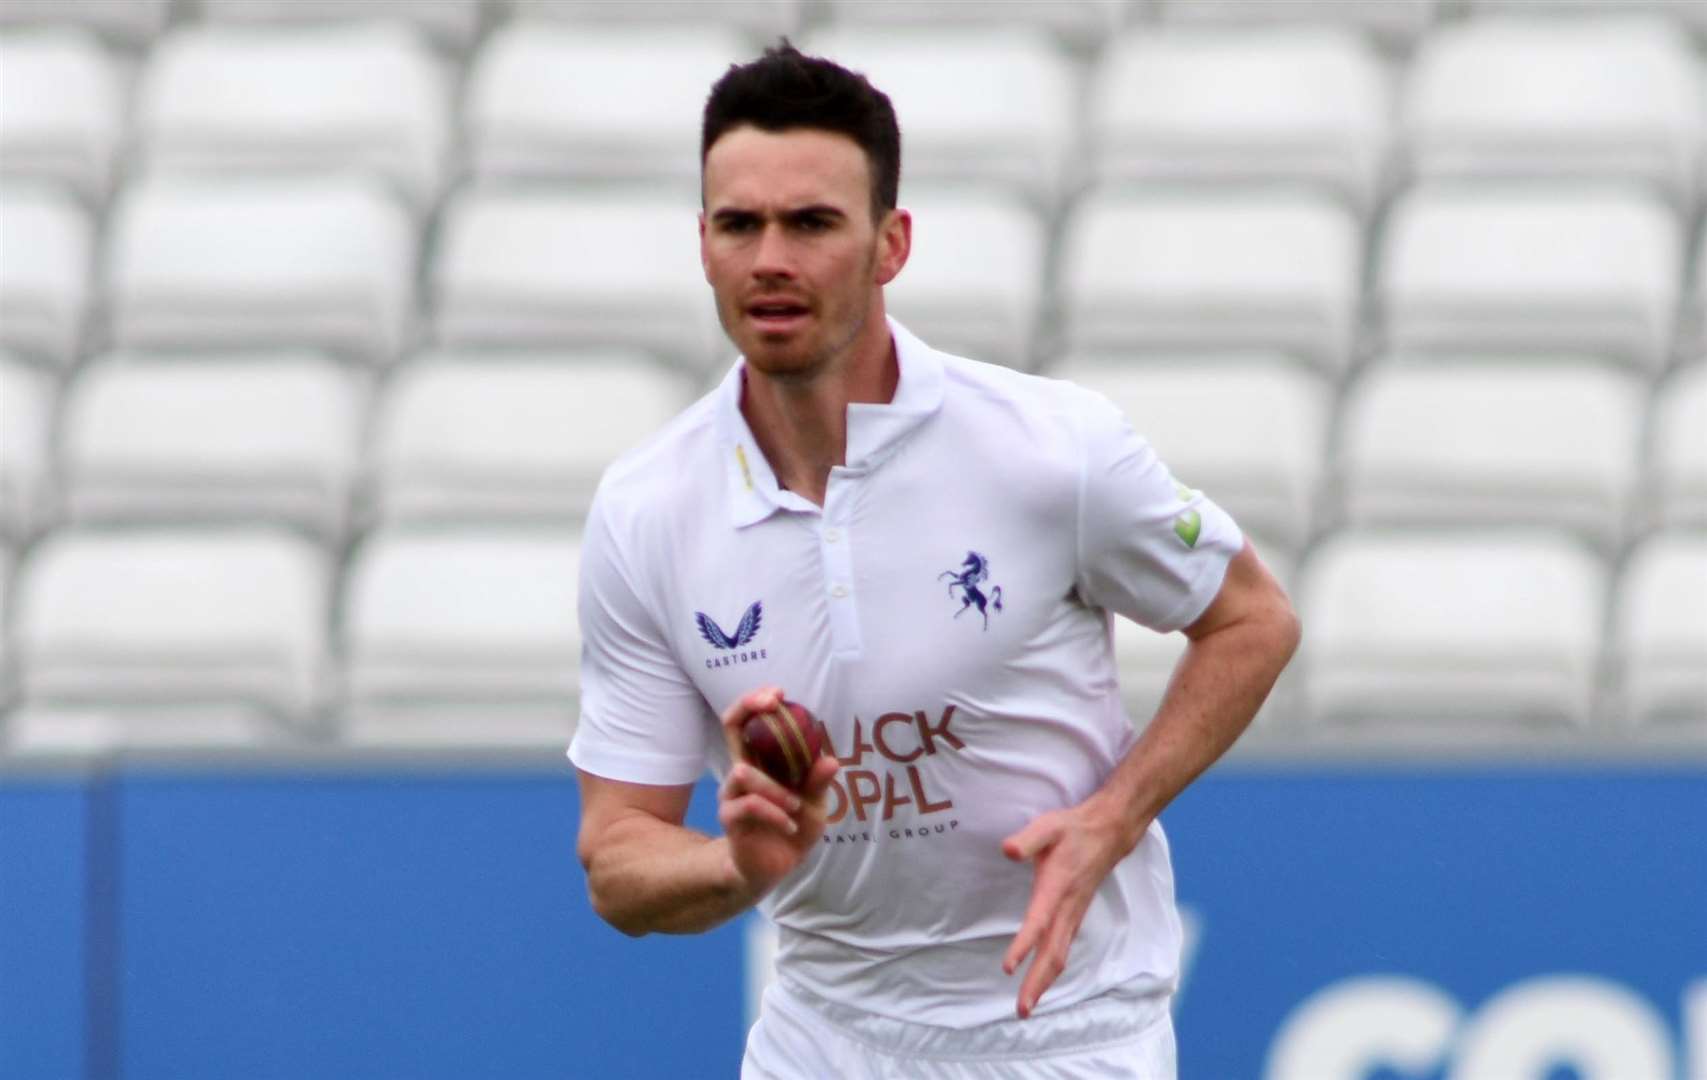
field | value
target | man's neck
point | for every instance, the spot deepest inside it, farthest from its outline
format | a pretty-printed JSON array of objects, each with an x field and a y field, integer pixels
[{"x": 802, "y": 424}]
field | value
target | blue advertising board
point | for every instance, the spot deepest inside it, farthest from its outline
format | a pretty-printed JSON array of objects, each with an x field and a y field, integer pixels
[{"x": 1356, "y": 923}]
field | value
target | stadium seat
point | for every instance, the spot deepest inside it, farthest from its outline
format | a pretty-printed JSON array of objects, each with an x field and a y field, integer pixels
[
  {"x": 91, "y": 730},
  {"x": 512, "y": 438},
  {"x": 556, "y": 268},
  {"x": 7, "y": 679},
  {"x": 1081, "y": 22},
  {"x": 1535, "y": 97},
  {"x": 126, "y": 22},
  {"x": 1291, "y": 103},
  {"x": 60, "y": 110},
  {"x": 594, "y": 101},
  {"x": 1248, "y": 429},
  {"x": 1531, "y": 268},
  {"x": 322, "y": 262},
  {"x": 463, "y": 636},
  {"x": 1457, "y": 634},
  {"x": 26, "y": 426},
  {"x": 367, "y": 97},
  {"x": 973, "y": 282},
  {"x": 46, "y": 241},
  {"x": 990, "y": 104},
  {"x": 250, "y": 438},
  {"x": 1179, "y": 270},
  {"x": 763, "y": 19},
  {"x": 1396, "y": 22},
  {"x": 454, "y": 23},
  {"x": 221, "y": 618},
  {"x": 1491, "y": 443},
  {"x": 1662, "y": 631},
  {"x": 1678, "y": 497}
]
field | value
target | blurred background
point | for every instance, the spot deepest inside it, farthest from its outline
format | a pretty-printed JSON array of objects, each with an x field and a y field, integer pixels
[{"x": 320, "y": 318}]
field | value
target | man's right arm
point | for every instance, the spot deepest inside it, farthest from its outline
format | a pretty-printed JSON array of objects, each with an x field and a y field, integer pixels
[
  {"x": 646, "y": 872},
  {"x": 649, "y": 873}
]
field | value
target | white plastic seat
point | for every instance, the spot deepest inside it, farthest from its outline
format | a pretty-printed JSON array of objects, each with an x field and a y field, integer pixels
[
  {"x": 276, "y": 100},
  {"x": 1291, "y": 103},
  {"x": 60, "y": 109},
  {"x": 1491, "y": 443},
  {"x": 1662, "y": 630},
  {"x": 527, "y": 437},
  {"x": 991, "y": 104},
  {"x": 317, "y": 262},
  {"x": 973, "y": 282},
  {"x": 765, "y": 19},
  {"x": 26, "y": 424},
  {"x": 46, "y": 241},
  {"x": 453, "y": 22},
  {"x": 465, "y": 635},
  {"x": 1513, "y": 97},
  {"x": 1250, "y": 430},
  {"x": 554, "y": 268},
  {"x": 130, "y": 22},
  {"x": 147, "y": 618},
  {"x": 1679, "y": 456},
  {"x": 94, "y": 730},
  {"x": 1395, "y": 21},
  {"x": 1084, "y": 22},
  {"x": 1538, "y": 268},
  {"x": 1467, "y": 631},
  {"x": 266, "y": 437},
  {"x": 1274, "y": 270},
  {"x": 594, "y": 101}
]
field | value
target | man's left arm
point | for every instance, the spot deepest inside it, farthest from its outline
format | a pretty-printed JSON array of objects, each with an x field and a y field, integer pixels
[{"x": 1236, "y": 650}]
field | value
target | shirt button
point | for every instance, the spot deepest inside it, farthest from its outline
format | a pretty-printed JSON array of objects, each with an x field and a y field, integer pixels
[
  {"x": 838, "y": 591},
  {"x": 832, "y": 535}
]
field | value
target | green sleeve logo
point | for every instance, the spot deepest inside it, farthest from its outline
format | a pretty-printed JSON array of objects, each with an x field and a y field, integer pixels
[{"x": 1189, "y": 525}]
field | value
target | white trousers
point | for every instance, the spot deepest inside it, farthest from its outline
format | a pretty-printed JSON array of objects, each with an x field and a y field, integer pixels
[{"x": 800, "y": 1036}]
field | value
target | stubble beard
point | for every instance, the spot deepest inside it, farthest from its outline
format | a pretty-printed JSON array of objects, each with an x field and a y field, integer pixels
[{"x": 825, "y": 358}]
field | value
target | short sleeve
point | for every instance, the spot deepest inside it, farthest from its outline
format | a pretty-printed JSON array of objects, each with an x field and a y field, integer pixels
[
  {"x": 1150, "y": 548},
  {"x": 642, "y": 719}
]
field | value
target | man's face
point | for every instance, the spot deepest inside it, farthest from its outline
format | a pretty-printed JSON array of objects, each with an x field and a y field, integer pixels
[{"x": 789, "y": 246}]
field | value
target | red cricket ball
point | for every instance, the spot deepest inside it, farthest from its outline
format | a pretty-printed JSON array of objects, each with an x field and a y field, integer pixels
[{"x": 784, "y": 742}]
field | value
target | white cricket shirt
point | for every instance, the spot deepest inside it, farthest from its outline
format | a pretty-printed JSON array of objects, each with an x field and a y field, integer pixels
[{"x": 976, "y": 487}]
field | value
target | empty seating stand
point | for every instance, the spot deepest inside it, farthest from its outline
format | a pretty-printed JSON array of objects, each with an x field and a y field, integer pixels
[
  {"x": 1494, "y": 443},
  {"x": 1662, "y": 632},
  {"x": 521, "y": 437},
  {"x": 1273, "y": 269},
  {"x": 603, "y": 101},
  {"x": 222, "y": 619},
  {"x": 317, "y": 262},
  {"x": 61, "y": 113},
  {"x": 264, "y": 437},
  {"x": 1288, "y": 104},
  {"x": 265, "y": 99},
  {"x": 548, "y": 268},
  {"x": 1460, "y": 637},
  {"x": 463, "y": 636}
]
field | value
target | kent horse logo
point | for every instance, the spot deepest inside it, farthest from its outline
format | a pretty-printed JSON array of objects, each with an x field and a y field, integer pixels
[
  {"x": 745, "y": 632},
  {"x": 974, "y": 571}
]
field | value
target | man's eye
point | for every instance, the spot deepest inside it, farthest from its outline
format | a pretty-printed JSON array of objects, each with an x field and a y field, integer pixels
[
  {"x": 812, "y": 224},
  {"x": 738, "y": 225}
]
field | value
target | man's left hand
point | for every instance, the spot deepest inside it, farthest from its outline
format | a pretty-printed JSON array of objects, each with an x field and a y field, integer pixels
[{"x": 1072, "y": 851}]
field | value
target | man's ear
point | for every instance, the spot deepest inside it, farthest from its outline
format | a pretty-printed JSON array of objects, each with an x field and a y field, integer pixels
[
  {"x": 704, "y": 263},
  {"x": 894, "y": 244}
]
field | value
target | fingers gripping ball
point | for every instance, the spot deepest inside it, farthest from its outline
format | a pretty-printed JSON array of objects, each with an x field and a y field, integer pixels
[{"x": 784, "y": 742}]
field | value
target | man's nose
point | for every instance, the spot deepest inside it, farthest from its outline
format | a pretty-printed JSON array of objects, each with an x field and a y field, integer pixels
[{"x": 774, "y": 257}]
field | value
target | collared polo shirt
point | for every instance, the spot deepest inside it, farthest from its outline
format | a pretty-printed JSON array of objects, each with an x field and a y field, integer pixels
[{"x": 946, "y": 615}]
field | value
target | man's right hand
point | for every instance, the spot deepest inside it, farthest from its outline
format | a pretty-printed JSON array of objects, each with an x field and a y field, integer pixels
[{"x": 770, "y": 828}]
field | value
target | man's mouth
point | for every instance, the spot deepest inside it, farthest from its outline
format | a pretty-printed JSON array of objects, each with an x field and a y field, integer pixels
[{"x": 776, "y": 314}]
